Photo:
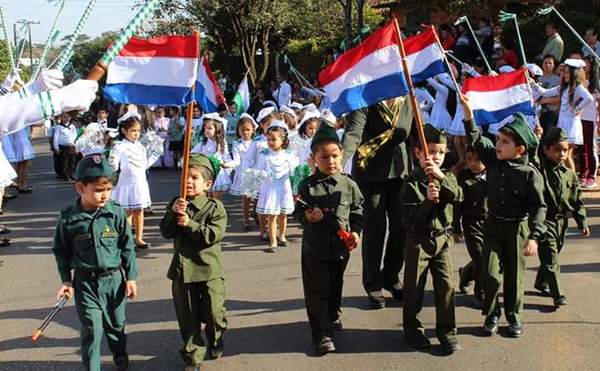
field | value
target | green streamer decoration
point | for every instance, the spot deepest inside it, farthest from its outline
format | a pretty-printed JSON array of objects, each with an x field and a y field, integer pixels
[{"x": 67, "y": 52}]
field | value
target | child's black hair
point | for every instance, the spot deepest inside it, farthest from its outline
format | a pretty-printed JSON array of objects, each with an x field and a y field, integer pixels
[
  {"x": 302, "y": 129},
  {"x": 284, "y": 135},
  {"x": 128, "y": 124}
]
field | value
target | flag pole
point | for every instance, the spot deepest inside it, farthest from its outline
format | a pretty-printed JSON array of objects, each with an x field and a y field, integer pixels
[
  {"x": 413, "y": 99},
  {"x": 439, "y": 43},
  {"x": 187, "y": 139}
]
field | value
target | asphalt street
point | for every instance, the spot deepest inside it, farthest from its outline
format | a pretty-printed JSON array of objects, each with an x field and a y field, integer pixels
[{"x": 268, "y": 328}]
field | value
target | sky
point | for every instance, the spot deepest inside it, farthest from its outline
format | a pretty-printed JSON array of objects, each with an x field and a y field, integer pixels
[{"x": 107, "y": 15}]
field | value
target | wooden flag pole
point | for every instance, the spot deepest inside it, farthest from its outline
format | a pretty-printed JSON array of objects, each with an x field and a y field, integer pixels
[
  {"x": 187, "y": 139},
  {"x": 413, "y": 99},
  {"x": 437, "y": 39}
]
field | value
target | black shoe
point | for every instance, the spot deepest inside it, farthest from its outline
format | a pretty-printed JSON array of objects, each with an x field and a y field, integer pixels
[
  {"x": 282, "y": 243},
  {"x": 9, "y": 196},
  {"x": 142, "y": 246},
  {"x": 4, "y": 229},
  {"x": 376, "y": 300},
  {"x": 395, "y": 290},
  {"x": 464, "y": 281},
  {"x": 121, "y": 361},
  {"x": 148, "y": 211},
  {"x": 560, "y": 301},
  {"x": 5, "y": 242},
  {"x": 543, "y": 289},
  {"x": 325, "y": 346},
  {"x": 490, "y": 326},
  {"x": 450, "y": 344},
  {"x": 217, "y": 351},
  {"x": 418, "y": 342},
  {"x": 515, "y": 330},
  {"x": 337, "y": 325},
  {"x": 247, "y": 227}
]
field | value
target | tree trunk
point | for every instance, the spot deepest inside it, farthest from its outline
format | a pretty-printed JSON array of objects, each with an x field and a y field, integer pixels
[
  {"x": 360, "y": 7},
  {"x": 347, "y": 5}
]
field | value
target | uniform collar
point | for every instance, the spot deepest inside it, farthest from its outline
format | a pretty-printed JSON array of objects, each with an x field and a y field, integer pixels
[
  {"x": 518, "y": 161},
  {"x": 551, "y": 165},
  {"x": 327, "y": 179},
  {"x": 199, "y": 202}
]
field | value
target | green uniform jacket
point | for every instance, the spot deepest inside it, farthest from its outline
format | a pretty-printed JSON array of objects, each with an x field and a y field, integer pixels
[
  {"x": 562, "y": 193},
  {"x": 94, "y": 240},
  {"x": 474, "y": 205},
  {"x": 340, "y": 199},
  {"x": 421, "y": 216},
  {"x": 515, "y": 188},
  {"x": 392, "y": 160},
  {"x": 197, "y": 256}
]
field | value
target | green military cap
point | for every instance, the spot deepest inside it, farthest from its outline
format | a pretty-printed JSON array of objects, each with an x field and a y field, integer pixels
[
  {"x": 94, "y": 166},
  {"x": 325, "y": 132},
  {"x": 209, "y": 162},
  {"x": 555, "y": 135},
  {"x": 433, "y": 135},
  {"x": 519, "y": 127}
]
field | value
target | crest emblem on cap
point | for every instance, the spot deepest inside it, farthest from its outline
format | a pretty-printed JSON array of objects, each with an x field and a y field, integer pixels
[{"x": 97, "y": 159}]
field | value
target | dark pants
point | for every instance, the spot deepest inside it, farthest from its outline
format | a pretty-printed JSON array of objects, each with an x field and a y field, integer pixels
[
  {"x": 100, "y": 304},
  {"x": 550, "y": 247},
  {"x": 197, "y": 303},
  {"x": 548, "y": 120},
  {"x": 382, "y": 213},
  {"x": 419, "y": 261},
  {"x": 504, "y": 267},
  {"x": 473, "y": 232},
  {"x": 588, "y": 160},
  {"x": 68, "y": 159},
  {"x": 322, "y": 281}
]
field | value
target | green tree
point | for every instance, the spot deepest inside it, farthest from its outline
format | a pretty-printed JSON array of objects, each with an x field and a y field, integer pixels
[
  {"x": 4, "y": 61},
  {"x": 88, "y": 52}
]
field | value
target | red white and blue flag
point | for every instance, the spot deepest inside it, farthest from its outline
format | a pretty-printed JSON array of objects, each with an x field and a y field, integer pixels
[
  {"x": 208, "y": 93},
  {"x": 372, "y": 71},
  {"x": 495, "y": 98},
  {"x": 157, "y": 71}
]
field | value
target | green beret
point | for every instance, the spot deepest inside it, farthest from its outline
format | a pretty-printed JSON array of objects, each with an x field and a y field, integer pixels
[
  {"x": 325, "y": 132},
  {"x": 433, "y": 135},
  {"x": 519, "y": 127},
  {"x": 555, "y": 135},
  {"x": 94, "y": 166},
  {"x": 211, "y": 163}
]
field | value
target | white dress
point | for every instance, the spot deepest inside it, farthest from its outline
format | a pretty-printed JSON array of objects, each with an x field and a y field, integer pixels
[
  {"x": 458, "y": 127},
  {"x": 132, "y": 190},
  {"x": 209, "y": 148},
  {"x": 7, "y": 173},
  {"x": 569, "y": 115},
  {"x": 251, "y": 177},
  {"x": 22, "y": 150},
  {"x": 275, "y": 196},
  {"x": 440, "y": 117},
  {"x": 239, "y": 162}
]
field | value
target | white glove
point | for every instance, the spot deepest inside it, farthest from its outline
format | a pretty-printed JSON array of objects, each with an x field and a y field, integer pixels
[
  {"x": 76, "y": 96},
  {"x": 46, "y": 80},
  {"x": 10, "y": 80}
]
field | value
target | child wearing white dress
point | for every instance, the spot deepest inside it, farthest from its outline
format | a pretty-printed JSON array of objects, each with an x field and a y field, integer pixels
[
  {"x": 276, "y": 201},
  {"x": 214, "y": 144},
  {"x": 573, "y": 99},
  {"x": 440, "y": 118},
  {"x": 251, "y": 179},
  {"x": 244, "y": 131},
  {"x": 161, "y": 126},
  {"x": 129, "y": 156}
]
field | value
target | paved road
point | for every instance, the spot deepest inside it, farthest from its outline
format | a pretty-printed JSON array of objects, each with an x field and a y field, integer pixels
[{"x": 268, "y": 326}]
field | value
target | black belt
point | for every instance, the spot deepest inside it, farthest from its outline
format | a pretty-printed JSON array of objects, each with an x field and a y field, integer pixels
[
  {"x": 509, "y": 219},
  {"x": 97, "y": 273},
  {"x": 433, "y": 233}
]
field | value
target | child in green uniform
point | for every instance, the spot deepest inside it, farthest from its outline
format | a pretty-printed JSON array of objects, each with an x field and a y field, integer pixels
[
  {"x": 335, "y": 202},
  {"x": 562, "y": 195},
  {"x": 469, "y": 218},
  {"x": 94, "y": 240},
  {"x": 516, "y": 216},
  {"x": 428, "y": 214},
  {"x": 197, "y": 226}
]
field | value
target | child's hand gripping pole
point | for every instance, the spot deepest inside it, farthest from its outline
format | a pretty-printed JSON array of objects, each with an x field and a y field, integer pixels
[
  {"x": 57, "y": 307},
  {"x": 345, "y": 236}
]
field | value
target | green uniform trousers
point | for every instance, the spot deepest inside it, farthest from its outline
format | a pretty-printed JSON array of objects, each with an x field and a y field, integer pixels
[
  {"x": 322, "y": 281},
  {"x": 504, "y": 266},
  {"x": 473, "y": 233},
  {"x": 418, "y": 262},
  {"x": 100, "y": 304},
  {"x": 550, "y": 247},
  {"x": 382, "y": 213},
  {"x": 197, "y": 303}
]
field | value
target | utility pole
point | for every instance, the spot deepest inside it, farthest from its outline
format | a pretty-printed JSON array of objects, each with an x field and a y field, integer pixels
[{"x": 28, "y": 23}]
